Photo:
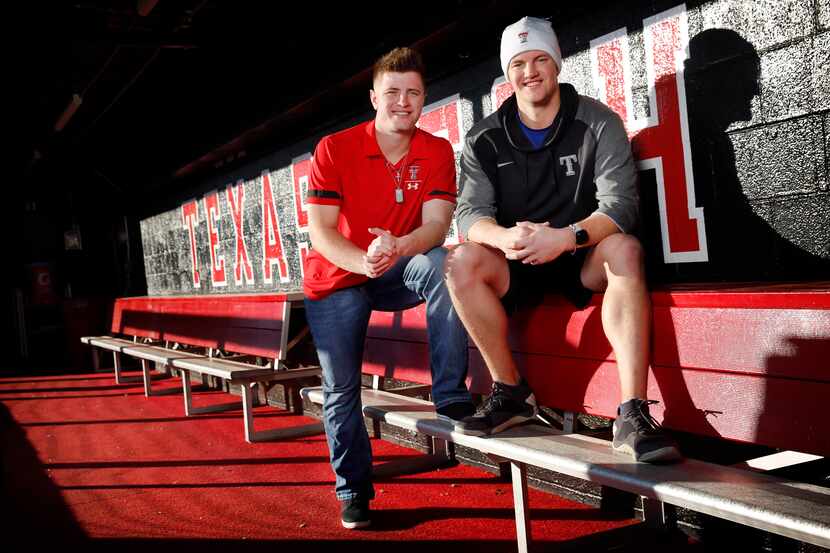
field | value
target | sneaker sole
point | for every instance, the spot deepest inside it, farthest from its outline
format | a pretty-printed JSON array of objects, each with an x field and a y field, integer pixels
[
  {"x": 662, "y": 455},
  {"x": 355, "y": 525},
  {"x": 509, "y": 423}
]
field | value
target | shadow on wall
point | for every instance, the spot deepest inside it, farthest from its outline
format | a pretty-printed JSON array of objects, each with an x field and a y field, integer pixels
[{"x": 722, "y": 77}]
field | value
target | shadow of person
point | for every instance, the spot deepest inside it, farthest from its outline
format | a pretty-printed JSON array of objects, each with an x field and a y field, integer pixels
[{"x": 722, "y": 78}]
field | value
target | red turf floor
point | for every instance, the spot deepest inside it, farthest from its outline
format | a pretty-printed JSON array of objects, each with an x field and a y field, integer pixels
[{"x": 86, "y": 460}]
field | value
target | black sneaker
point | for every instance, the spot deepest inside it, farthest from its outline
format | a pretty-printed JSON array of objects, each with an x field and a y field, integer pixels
[
  {"x": 506, "y": 406},
  {"x": 456, "y": 411},
  {"x": 638, "y": 434},
  {"x": 355, "y": 513}
]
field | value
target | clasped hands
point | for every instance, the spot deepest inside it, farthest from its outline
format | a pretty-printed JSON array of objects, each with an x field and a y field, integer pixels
[
  {"x": 381, "y": 254},
  {"x": 535, "y": 243}
]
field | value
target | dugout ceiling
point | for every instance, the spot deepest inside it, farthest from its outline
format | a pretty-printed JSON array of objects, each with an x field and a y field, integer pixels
[{"x": 196, "y": 84}]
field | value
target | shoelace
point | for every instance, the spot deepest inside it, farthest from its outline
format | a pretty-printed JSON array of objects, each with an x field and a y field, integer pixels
[
  {"x": 495, "y": 400},
  {"x": 642, "y": 419}
]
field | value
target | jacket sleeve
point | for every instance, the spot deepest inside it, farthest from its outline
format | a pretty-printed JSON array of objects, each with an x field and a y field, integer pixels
[
  {"x": 615, "y": 175},
  {"x": 477, "y": 195}
]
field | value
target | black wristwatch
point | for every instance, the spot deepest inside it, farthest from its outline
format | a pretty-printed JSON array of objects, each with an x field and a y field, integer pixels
[{"x": 580, "y": 236}]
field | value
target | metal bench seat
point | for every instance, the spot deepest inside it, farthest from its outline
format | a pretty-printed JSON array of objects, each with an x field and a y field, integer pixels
[
  {"x": 793, "y": 509},
  {"x": 247, "y": 377},
  {"x": 247, "y": 325},
  {"x": 107, "y": 342},
  {"x": 156, "y": 354},
  {"x": 116, "y": 346},
  {"x": 233, "y": 371}
]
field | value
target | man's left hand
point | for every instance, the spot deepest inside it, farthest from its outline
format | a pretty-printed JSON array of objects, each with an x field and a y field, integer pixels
[
  {"x": 544, "y": 244},
  {"x": 382, "y": 253}
]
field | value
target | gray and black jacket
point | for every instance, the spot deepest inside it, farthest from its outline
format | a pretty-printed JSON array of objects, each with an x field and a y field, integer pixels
[{"x": 584, "y": 167}]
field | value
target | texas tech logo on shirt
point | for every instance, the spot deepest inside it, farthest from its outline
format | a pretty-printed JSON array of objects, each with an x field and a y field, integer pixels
[
  {"x": 413, "y": 183},
  {"x": 569, "y": 161}
]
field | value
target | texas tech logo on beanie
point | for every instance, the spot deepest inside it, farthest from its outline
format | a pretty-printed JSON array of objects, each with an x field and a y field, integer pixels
[{"x": 529, "y": 33}]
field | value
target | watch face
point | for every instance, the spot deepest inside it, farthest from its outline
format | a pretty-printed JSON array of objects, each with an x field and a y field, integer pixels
[{"x": 581, "y": 236}]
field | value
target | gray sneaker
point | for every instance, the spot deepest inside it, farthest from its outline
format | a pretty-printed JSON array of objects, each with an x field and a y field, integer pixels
[
  {"x": 638, "y": 434},
  {"x": 505, "y": 407}
]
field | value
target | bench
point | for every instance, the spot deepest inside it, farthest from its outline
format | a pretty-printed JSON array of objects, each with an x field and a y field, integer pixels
[
  {"x": 227, "y": 337},
  {"x": 728, "y": 362}
]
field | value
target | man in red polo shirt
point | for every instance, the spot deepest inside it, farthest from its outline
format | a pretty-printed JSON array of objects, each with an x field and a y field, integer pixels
[{"x": 381, "y": 197}]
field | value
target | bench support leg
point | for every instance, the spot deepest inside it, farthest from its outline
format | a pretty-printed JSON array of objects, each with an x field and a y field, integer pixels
[
  {"x": 519, "y": 472},
  {"x": 145, "y": 371},
  {"x": 442, "y": 449},
  {"x": 659, "y": 515},
  {"x": 570, "y": 423},
  {"x": 293, "y": 391},
  {"x": 116, "y": 360},
  {"x": 96, "y": 359},
  {"x": 187, "y": 392},
  {"x": 248, "y": 391},
  {"x": 376, "y": 429}
]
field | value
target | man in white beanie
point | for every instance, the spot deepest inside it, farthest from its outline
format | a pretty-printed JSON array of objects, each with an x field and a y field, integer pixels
[{"x": 547, "y": 203}]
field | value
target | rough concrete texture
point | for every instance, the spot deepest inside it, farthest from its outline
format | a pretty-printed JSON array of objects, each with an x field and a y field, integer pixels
[
  {"x": 780, "y": 159},
  {"x": 786, "y": 83},
  {"x": 767, "y": 23},
  {"x": 825, "y": 184},
  {"x": 577, "y": 71},
  {"x": 823, "y": 7},
  {"x": 820, "y": 71},
  {"x": 794, "y": 220},
  {"x": 637, "y": 52}
]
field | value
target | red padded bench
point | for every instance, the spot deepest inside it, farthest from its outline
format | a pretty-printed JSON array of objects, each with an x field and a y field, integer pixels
[
  {"x": 227, "y": 336},
  {"x": 745, "y": 363}
]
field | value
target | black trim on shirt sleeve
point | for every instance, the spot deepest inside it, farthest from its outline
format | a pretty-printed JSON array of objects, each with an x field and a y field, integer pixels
[
  {"x": 331, "y": 194},
  {"x": 442, "y": 193}
]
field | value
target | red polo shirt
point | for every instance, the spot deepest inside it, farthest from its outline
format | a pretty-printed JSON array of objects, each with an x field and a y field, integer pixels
[{"x": 349, "y": 171}]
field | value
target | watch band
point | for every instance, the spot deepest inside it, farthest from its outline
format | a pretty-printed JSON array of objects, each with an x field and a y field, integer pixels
[
  {"x": 580, "y": 236},
  {"x": 574, "y": 229}
]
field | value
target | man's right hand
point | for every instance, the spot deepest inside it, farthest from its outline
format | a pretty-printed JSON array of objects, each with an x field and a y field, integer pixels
[
  {"x": 374, "y": 266},
  {"x": 512, "y": 240}
]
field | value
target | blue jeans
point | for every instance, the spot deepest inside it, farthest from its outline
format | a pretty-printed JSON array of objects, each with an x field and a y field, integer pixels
[{"x": 338, "y": 324}]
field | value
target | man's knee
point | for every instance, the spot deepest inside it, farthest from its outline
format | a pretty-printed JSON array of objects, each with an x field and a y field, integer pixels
[
  {"x": 463, "y": 264},
  {"x": 426, "y": 269},
  {"x": 623, "y": 254},
  {"x": 435, "y": 258}
]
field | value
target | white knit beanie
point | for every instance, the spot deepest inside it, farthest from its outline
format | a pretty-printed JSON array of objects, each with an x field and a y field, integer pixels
[{"x": 529, "y": 33}]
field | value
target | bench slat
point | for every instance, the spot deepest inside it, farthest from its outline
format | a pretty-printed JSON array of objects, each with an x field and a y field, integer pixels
[
  {"x": 241, "y": 372},
  {"x": 110, "y": 343},
  {"x": 158, "y": 354},
  {"x": 221, "y": 368}
]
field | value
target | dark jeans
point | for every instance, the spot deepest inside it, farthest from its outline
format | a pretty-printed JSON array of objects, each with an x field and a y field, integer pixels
[{"x": 338, "y": 323}]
